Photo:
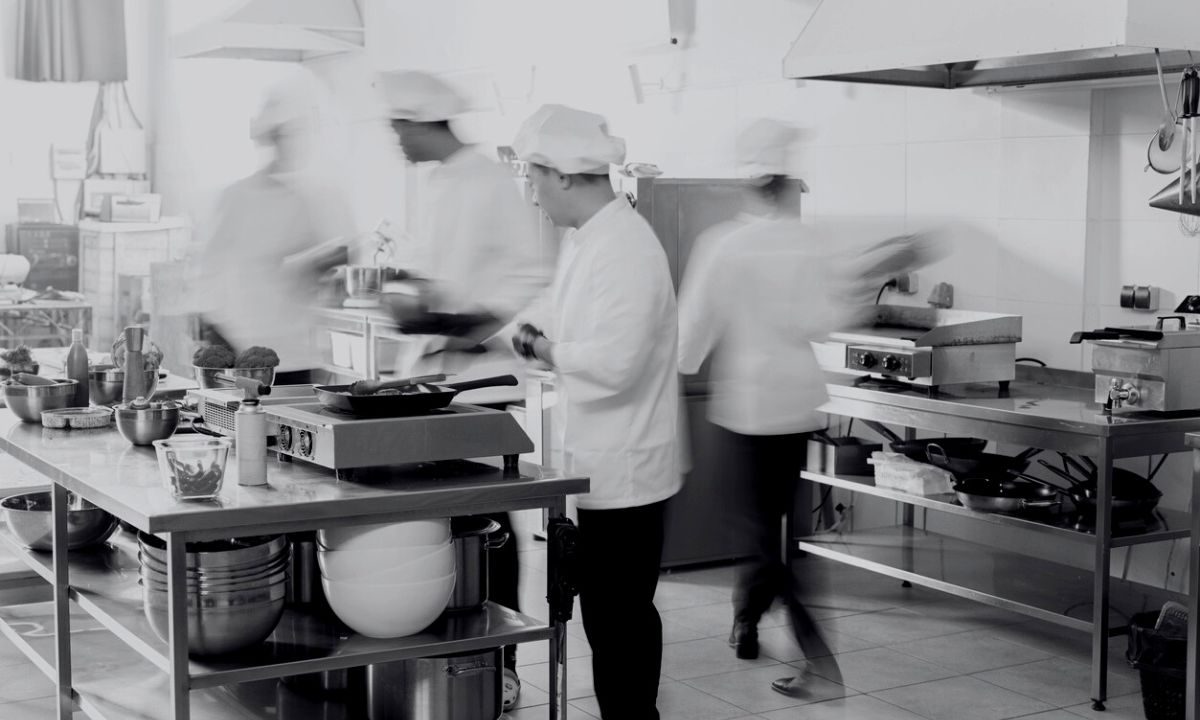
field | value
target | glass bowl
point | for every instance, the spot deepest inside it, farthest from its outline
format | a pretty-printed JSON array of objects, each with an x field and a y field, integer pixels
[{"x": 193, "y": 468}]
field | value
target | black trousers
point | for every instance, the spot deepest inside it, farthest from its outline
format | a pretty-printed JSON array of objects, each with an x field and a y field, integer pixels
[
  {"x": 620, "y": 553},
  {"x": 768, "y": 467}
]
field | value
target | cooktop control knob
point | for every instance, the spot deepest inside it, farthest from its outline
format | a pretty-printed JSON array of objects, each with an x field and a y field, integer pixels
[
  {"x": 285, "y": 437},
  {"x": 867, "y": 359},
  {"x": 891, "y": 363},
  {"x": 304, "y": 443}
]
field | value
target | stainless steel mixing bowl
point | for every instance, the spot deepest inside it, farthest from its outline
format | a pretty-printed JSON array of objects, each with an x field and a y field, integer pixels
[
  {"x": 207, "y": 377},
  {"x": 30, "y": 520},
  {"x": 142, "y": 426},
  {"x": 28, "y": 401},
  {"x": 219, "y": 554},
  {"x": 106, "y": 385},
  {"x": 221, "y": 623}
]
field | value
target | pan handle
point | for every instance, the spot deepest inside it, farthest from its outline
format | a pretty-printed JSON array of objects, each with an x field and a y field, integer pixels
[
  {"x": 883, "y": 431},
  {"x": 1060, "y": 472},
  {"x": 497, "y": 381},
  {"x": 933, "y": 450}
]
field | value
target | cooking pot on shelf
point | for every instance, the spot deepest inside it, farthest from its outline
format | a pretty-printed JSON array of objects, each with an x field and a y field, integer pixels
[
  {"x": 473, "y": 537},
  {"x": 453, "y": 687}
]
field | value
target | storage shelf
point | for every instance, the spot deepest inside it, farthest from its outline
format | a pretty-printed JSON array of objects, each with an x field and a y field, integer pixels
[
  {"x": 104, "y": 583},
  {"x": 1172, "y": 524},
  {"x": 109, "y": 681},
  {"x": 1050, "y": 591}
]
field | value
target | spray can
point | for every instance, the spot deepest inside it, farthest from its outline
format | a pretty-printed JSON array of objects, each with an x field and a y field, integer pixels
[{"x": 250, "y": 434}]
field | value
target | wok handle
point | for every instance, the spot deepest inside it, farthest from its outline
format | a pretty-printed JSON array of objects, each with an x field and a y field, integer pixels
[
  {"x": 497, "y": 381},
  {"x": 883, "y": 431},
  {"x": 933, "y": 450}
]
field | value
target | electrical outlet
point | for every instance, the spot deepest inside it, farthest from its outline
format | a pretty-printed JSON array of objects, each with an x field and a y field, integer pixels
[{"x": 906, "y": 284}]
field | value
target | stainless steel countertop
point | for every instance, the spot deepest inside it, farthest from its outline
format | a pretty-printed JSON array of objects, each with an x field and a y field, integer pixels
[
  {"x": 124, "y": 480},
  {"x": 1053, "y": 407}
]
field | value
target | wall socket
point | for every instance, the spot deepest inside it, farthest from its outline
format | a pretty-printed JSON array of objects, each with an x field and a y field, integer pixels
[{"x": 906, "y": 284}]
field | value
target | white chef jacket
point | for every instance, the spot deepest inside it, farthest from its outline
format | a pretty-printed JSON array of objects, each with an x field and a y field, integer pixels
[
  {"x": 611, "y": 314},
  {"x": 757, "y": 291},
  {"x": 253, "y": 296},
  {"x": 481, "y": 248}
]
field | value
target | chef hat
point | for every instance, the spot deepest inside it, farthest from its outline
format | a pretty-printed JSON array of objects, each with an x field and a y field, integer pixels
[
  {"x": 419, "y": 96},
  {"x": 762, "y": 147},
  {"x": 294, "y": 103},
  {"x": 570, "y": 141}
]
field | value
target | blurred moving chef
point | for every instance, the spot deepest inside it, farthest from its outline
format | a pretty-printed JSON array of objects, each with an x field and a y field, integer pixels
[
  {"x": 263, "y": 253},
  {"x": 480, "y": 252},
  {"x": 758, "y": 290},
  {"x": 481, "y": 263},
  {"x": 608, "y": 328}
]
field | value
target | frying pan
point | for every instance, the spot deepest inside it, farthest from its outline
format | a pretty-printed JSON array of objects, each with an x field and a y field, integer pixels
[
  {"x": 916, "y": 449},
  {"x": 430, "y": 397},
  {"x": 1125, "y": 483},
  {"x": 1133, "y": 499},
  {"x": 988, "y": 494},
  {"x": 978, "y": 463}
]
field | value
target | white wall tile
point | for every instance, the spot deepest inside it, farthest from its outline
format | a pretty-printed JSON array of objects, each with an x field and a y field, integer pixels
[
  {"x": 830, "y": 113},
  {"x": 1127, "y": 186},
  {"x": 938, "y": 115},
  {"x": 1046, "y": 329},
  {"x": 1147, "y": 253},
  {"x": 1044, "y": 178},
  {"x": 1134, "y": 110},
  {"x": 1041, "y": 260},
  {"x": 854, "y": 179},
  {"x": 970, "y": 265},
  {"x": 954, "y": 179},
  {"x": 1029, "y": 113}
]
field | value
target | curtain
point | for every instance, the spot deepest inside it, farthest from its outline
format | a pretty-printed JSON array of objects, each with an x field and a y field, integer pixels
[{"x": 71, "y": 41}]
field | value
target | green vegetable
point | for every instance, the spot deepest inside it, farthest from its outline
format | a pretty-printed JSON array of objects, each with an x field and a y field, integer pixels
[
  {"x": 18, "y": 358},
  {"x": 213, "y": 356},
  {"x": 257, "y": 357}
]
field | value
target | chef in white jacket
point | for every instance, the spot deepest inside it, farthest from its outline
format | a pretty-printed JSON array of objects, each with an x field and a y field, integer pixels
[
  {"x": 482, "y": 257},
  {"x": 478, "y": 241},
  {"x": 608, "y": 328},
  {"x": 254, "y": 264}
]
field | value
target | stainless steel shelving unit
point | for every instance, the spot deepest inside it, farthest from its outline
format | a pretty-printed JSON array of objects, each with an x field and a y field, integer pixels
[
  {"x": 1056, "y": 414},
  {"x": 97, "y": 614}
]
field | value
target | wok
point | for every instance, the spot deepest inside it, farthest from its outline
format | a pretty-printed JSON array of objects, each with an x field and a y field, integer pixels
[
  {"x": 916, "y": 449},
  {"x": 1130, "y": 500},
  {"x": 989, "y": 494},
  {"x": 979, "y": 463},
  {"x": 392, "y": 404},
  {"x": 1125, "y": 483}
]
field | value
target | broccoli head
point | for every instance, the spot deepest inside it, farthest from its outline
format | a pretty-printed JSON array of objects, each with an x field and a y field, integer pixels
[
  {"x": 152, "y": 355},
  {"x": 213, "y": 356},
  {"x": 18, "y": 357},
  {"x": 257, "y": 357}
]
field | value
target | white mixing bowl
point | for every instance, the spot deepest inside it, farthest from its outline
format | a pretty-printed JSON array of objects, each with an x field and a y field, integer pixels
[
  {"x": 388, "y": 611},
  {"x": 356, "y": 565},
  {"x": 385, "y": 535}
]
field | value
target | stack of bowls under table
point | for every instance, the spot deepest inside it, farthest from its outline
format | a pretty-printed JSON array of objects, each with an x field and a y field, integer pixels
[
  {"x": 235, "y": 590},
  {"x": 387, "y": 580}
]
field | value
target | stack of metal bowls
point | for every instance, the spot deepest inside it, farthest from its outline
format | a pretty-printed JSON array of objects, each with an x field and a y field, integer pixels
[{"x": 235, "y": 590}]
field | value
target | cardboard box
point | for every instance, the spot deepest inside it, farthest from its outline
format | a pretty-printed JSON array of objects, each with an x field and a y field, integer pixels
[{"x": 141, "y": 208}]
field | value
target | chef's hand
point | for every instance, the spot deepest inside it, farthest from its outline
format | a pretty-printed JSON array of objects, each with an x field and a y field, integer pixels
[{"x": 531, "y": 344}]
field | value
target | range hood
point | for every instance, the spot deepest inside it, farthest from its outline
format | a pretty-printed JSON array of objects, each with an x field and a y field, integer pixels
[
  {"x": 280, "y": 30},
  {"x": 973, "y": 43}
]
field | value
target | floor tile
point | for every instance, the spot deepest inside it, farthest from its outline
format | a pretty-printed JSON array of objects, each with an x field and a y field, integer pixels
[
  {"x": 965, "y": 611},
  {"x": 535, "y": 653},
  {"x": 855, "y": 707},
  {"x": 675, "y": 592},
  {"x": 1124, "y": 707},
  {"x": 10, "y": 655},
  {"x": 23, "y": 682},
  {"x": 780, "y": 644},
  {"x": 962, "y": 698},
  {"x": 677, "y": 701},
  {"x": 709, "y": 620},
  {"x": 530, "y": 696},
  {"x": 1058, "y": 681},
  {"x": 674, "y": 632},
  {"x": 971, "y": 652},
  {"x": 1053, "y": 715},
  {"x": 38, "y": 709},
  {"x": 579, "y": 678},
  {"x": 751, "y": 689},
  {"x": 879, "y": 669},
  {"x": 896, "y": 625},
  {"x": 698, "y": 658}
]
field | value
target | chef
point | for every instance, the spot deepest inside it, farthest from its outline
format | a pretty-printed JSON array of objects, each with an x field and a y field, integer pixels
[
  {"x": 757, "y": 290},
  {"x": 481, "y": 260},
  {"x": 608, "y": 329},
  {"x": 256, "y": 263}
]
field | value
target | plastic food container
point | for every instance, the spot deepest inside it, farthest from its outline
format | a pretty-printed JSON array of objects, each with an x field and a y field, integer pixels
[{"x": 193, "y": 468}]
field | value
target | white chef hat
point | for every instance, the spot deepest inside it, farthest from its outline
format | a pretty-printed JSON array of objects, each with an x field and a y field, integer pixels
[
  {"x": 570, "y": 141},
  {"x": 293, "y": 103},
  {"x": 418, "y": 96},
  {"x": 762, "y": 147}
]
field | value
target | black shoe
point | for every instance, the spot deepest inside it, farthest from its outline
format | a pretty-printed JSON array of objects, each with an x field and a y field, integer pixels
[{"x": 744, "y": 640}]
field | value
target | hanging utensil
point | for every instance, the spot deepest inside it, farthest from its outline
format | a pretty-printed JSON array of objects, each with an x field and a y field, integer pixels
[
  {"x": 1190, "y": 90},
  {"x": 1166, "y": 131},
  {"x": 1158, "y": 155}
]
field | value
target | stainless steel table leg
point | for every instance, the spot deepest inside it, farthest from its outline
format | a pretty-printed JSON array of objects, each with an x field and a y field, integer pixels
[
  {"x": 177, "y": 621},
  {"x": 1100, "y": 580},
  {"x": 558, "y": 643},
  {"x": 62, "y": 605},
  {"x": 907, "y": 519},
  {"x": 1192, "y": 709}
]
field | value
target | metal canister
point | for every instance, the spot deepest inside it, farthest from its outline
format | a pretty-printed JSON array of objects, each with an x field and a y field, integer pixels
[
  {"x": 474, "y": 536},
  {"x": 467, "y": 686}
]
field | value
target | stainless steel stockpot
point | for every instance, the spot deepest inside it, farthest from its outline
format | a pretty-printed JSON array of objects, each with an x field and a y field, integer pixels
[{"x": 474, "y": 536}]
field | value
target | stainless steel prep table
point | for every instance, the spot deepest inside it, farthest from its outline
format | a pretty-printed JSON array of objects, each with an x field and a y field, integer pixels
[
  {"x": 160, "y": 680},
  {"x": 1057, "y": 414}
]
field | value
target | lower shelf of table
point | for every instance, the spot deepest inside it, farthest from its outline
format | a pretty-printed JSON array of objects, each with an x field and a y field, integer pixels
[
  {"x": 104, "y": 583},
  {"x": 1050, "y": 591}
]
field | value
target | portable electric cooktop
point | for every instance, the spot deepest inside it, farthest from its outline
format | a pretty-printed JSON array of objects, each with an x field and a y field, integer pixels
[{"x": 339, "y": 441}]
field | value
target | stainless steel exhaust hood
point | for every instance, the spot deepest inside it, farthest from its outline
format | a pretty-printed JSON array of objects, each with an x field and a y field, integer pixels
[
  {"x": 280, "y": 30},
  {"x": 973, "y": 43}
]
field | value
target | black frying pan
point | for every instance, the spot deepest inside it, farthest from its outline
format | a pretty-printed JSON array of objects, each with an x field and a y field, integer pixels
[{"x": 393, "y": 404}]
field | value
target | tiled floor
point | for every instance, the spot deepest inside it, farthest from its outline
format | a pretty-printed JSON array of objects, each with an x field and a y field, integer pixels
[{"x": 903, "y": 654}]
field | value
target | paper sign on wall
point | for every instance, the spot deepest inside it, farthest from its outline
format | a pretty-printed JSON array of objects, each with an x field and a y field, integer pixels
[{"x": 68, "y": 162}]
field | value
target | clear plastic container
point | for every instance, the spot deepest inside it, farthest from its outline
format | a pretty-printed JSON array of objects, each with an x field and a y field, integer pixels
[{"x": 193, "y": 468}]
